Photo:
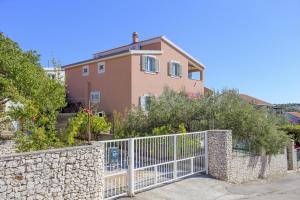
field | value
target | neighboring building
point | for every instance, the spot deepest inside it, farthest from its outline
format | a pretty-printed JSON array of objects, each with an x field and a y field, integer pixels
[
  {"x": 208, "y": 91},
  {"x": 257, "y": 102},
  {"x": 298, "y": 107},
  {"x": 293, "y": 117},
  {"x": 55, "y": 73},
  {"x": 119, "y": 78},
  {"x": 6, "y": 124},
  {"x": 289, "y": 107}
]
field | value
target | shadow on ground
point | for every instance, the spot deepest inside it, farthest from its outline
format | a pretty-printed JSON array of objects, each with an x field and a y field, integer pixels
[{"x": 203, "y": 187}]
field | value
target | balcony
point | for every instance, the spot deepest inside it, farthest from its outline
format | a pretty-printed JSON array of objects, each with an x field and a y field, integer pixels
[{"x": 195, "y": 73}]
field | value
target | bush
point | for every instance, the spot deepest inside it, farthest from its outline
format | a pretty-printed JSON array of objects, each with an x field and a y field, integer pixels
[
  {"x": 78, "y": 126},
  {"x": 38, "y": 139},
  {"x": 162, "y": 130},
  {"x": 136, "y": 124},
  {"x": 164, "y": 115},
  {"x": 292, "y": 130},
  {"x": 167, "y": 129},
  {"x": 118, "y": 123},
  {"x": 258, "y": 128},
  {"x": 174, "y": 112}
]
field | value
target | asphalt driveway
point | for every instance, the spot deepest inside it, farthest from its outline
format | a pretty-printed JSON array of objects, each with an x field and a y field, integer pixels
[{"x": 205, "y": 188}]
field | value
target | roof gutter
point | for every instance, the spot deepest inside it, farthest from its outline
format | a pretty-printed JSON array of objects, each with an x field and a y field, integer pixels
[{"x": 130, "y": 52}]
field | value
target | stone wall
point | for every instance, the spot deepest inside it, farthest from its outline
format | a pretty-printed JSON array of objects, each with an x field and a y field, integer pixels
[
  {"x": 219, "y": 153},
  {"x": 236, "y": 169},
  {"x": 247, "y": 168},
  {"x": 69, "y": 173},
  {"x": 7, "y": 147},
  {"x": 77, "y": 172}
]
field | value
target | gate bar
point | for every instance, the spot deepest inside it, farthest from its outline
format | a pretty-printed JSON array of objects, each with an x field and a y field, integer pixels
[
  {"x": 175, "y": 157},
  {"x": 131, "y": 167},
  {"x": 206, "y": 152}
]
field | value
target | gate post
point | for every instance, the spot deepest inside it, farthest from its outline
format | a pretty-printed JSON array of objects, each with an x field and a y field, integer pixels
[
  {"x": 206, "y": 152},
  {"x": 175, "y": 162},
  {"x": 131, "y": 167},
  {"x": 292, "y": 156}
]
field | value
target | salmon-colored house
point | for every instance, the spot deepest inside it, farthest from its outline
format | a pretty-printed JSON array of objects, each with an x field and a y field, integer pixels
[{"x": 119, "y": 78}]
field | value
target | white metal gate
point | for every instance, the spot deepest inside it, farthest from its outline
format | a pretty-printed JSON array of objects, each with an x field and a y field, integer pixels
[{"x": 134, "y": 164}]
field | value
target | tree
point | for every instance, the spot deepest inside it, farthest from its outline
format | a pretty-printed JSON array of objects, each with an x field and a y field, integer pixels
[
  {"x": 23, "y": 80},
  {"x": 224, "y": 110},
  {"x": 258, "y": 128}
]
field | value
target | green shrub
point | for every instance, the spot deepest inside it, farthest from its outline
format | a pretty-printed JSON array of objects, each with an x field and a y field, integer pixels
[
  {"x": 99, "y": 125},
  {"x": 118, "y": 130},
  {"x": 164, "y": 116},
  {"x": 75, "y": 127},
  {"x": 136, "y": 124},
  {"x": 78, "y": 125},
  {"x": 162, "y": 130},
  {"x": 181, "y": 128},
  {"x": 38, "y": 139},
  {"x": 174, "y": 112},
  {"x": 258, "y": 128},
  {"x": 292, "y": 130}
]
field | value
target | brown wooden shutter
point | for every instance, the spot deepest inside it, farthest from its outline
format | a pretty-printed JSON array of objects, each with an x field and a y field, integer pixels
[
  {"x": 156, "y": 65},
  {"x": 180, "y": 69},
  {"x": 143, "y": 63},
  {"x": 170, "y": 68}
]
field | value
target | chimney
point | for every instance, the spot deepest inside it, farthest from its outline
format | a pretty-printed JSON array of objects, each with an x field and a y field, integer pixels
[{"x": 135, "y": 37}]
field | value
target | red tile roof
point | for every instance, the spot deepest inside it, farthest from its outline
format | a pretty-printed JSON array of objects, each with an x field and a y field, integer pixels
[
  {"x": 208, "y": 91},
  {"x": 254, "y": 100},
  {"x": 296, "y": 114}
]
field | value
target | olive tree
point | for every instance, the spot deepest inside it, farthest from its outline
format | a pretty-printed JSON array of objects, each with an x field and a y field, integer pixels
[
  {"x": 222, "y": 110},
  {"x": 259, "y": 128}
]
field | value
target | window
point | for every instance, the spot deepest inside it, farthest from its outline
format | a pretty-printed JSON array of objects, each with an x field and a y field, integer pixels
[
  {"x": 85, "y": 70},
  {"x": 145, "y": 101},
  {"x": 101, "y": 67},
  {"x": 150, "y": 64},
  {"x": 175, "y": 69},
  {"x": 95, "y": 97}
]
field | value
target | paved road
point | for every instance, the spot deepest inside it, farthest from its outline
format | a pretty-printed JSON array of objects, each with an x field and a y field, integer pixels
[{"x": 204, "y": 188}]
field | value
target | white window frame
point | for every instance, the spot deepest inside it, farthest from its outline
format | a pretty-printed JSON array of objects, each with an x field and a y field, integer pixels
[
  {"x": 85, "y": 73},
  {"x": 100, "y": 71},
  {"x": 150, "y": 71},
  {"x": 171, "y": 65},
  {"x": 95, "y": 93}
]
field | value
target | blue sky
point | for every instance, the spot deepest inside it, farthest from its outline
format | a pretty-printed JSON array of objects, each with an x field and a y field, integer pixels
[{"x": 250, "y": 45}]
